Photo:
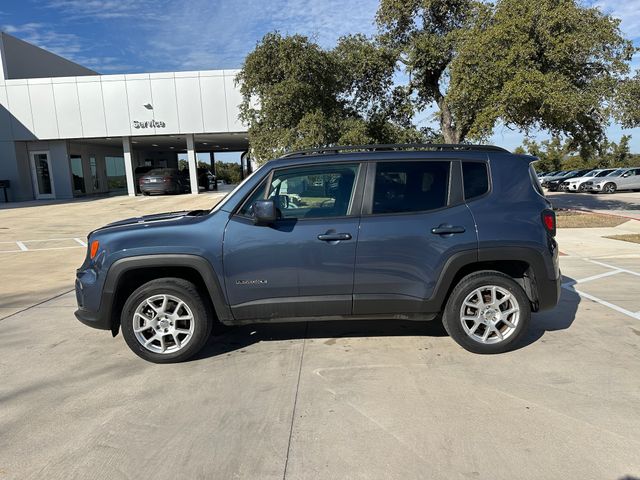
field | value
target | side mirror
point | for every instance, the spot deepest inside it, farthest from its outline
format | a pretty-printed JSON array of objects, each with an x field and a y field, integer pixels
[
  {"x": 625, "y": 174},
  {"x": 264, "y": 212}
]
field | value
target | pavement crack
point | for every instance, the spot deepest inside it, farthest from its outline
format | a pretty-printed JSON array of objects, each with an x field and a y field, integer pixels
[
  {"x": 36, "y": 304},
  {"x": 295, "y": 401}
]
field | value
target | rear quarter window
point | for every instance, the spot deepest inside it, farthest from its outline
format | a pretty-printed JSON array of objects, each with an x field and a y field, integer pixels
[{"x": 475, "y": 179}]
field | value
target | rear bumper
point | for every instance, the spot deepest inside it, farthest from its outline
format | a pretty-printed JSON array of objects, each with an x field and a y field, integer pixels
[{"x": 548, "y": 292}]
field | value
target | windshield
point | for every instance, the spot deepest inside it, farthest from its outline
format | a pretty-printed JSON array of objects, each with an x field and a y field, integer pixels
[
  {"x": 603, "y": 173},
  {"x": 592, "y": 173},
  {"x": 232, "y": 192},
  {"x": 617, "y": 173}
]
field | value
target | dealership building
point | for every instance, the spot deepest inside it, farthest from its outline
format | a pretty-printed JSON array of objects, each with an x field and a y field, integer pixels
[{"x": 67, "y": 131}]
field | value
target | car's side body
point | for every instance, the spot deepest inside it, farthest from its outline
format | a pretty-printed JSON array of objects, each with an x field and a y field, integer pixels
[
  {"x": 385, "y": 265},
  {"x": 620, "y": 179},
  {"x": 162, "y": 180},
  {"x": 578, "y": 184}
]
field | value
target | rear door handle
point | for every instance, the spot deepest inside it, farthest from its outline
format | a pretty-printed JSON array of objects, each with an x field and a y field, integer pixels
[
  {"x": 334, "y": 237},
  {"x": 445, "y": 229}
]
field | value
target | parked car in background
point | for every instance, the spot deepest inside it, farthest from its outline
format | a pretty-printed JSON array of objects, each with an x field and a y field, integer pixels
[
  {"x": 620, "y": 179},
  {"x": 543, "y": 175},
  {"x": 559, "y": 175},
  {"x": 387, "y": 232},
  {"x": 554, "y": 185},
  {"x": 578, "y": 184},
  {"x": 140, "y": 172},
  {"x": 163, "y": 180},
  {"x": 206, "y": 179}
]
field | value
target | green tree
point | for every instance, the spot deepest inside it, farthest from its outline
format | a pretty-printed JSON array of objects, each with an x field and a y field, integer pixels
[
  {"x": 229, "y": 172},
  {"x": 549, "y": 64},
  {"x": 297, "y": 95},
  {"x": 550, "y": 152},
  {"x": 628, "y": 102},
  {"x": 613, "y": 154}
]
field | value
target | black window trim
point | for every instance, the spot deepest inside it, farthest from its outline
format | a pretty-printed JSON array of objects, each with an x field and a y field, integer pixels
[
  {"x": 356, "y": 195},
  {"x": 454, "y": 189},
  {"x": 489, "y": 179}
]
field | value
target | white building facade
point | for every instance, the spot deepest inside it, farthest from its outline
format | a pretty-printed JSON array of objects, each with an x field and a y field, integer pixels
[{"x": 67, "y": 131}]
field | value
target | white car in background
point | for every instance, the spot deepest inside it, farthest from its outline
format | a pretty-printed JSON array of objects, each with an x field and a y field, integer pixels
[
  {"x": 620, "y": 179},
  {"x": 578, "y": 184}
]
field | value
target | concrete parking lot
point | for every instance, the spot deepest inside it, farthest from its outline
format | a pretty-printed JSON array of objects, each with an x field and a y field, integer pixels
[
  {"x": 318, "y": 400},
  {"x": 620, "y": 203}
]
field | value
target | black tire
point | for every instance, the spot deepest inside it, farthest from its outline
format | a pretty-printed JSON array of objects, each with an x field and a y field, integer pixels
[
  {"x": 609, "y": 187},
  {"x": 452, "y": 319},
  {"x": 192, "y": 298},
  {"x": 582, "y": 187}
]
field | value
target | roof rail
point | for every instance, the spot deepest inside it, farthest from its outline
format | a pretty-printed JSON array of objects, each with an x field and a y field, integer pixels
[{"x": 436, "y": 147}]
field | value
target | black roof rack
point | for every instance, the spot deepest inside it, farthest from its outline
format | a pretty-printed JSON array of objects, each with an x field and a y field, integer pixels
[{"x": 435, "y": 147}]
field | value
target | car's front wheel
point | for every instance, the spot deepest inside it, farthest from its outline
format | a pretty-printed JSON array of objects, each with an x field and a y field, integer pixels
[
  {"x": 166, "y": 320},
  {"x": 609, "y": 187},
  {"x": 487, "y": 312}
]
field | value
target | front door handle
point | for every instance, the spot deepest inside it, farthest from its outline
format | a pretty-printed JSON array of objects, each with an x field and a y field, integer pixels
[
  {"x": 334, "y": 237},
  {"x": 446, "y": 229}
]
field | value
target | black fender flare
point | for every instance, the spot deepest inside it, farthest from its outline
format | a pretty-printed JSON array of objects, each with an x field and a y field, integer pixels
[
  {"x": 545, "y": 288},
  {"x": 195, "y": 262}
]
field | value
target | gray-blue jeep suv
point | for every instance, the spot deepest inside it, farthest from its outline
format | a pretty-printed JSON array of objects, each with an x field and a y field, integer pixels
[{"x": 417, "y": 232}]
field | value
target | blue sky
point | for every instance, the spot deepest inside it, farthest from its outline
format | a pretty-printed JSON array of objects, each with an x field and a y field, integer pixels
[{"x": 116, "y": 36}]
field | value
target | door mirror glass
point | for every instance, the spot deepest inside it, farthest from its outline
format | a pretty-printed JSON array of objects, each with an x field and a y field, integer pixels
[{"x": 264, "y": 212}]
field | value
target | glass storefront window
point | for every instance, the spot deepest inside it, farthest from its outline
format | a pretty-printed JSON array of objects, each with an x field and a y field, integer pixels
[
  {"x": 116, "y": 177},
  {"x": 77, "y": 172},
  {"x": 94, "y": 174}
]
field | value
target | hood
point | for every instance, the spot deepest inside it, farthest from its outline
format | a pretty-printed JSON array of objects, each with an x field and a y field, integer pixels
[
  {"x": 155, "y": 218},
  {"x": 579, "y": 179}
]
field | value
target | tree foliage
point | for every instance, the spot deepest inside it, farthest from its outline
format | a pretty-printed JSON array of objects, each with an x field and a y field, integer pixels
[
  {"x": 559, "y": 154},
  {"x": 554, "y": 65},
  {"x": 549, "y": 64},
  {"x": 297, "y": 95}
]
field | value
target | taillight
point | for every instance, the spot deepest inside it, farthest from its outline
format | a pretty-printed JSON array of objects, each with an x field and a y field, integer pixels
[
  {"x": 94, "y": 249},
  {"x": 167, "y": 179},
  {"x": 549, "y": 221}
]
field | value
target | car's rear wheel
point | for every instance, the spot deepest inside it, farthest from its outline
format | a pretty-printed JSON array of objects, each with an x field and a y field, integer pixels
[
  {"x": 487, "y": 312},
  {"x": 609, "y": 187},
  {"x": 166, "y": 320}
]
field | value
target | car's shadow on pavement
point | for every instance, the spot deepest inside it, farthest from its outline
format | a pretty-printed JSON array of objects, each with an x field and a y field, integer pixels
[
  {"x": 225, "y": 340},
  {"x": 559, "y": 318}
]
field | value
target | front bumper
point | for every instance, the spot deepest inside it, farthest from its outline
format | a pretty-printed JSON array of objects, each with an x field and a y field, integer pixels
[{"x": 93, "y": 317}]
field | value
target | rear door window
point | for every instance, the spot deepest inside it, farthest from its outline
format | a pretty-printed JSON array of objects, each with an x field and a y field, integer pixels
[{"x": 418, "y": 186}]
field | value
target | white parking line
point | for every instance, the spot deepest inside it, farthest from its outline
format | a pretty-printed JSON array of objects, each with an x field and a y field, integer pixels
[
  {"x": 612, "y": 266},
  {"x": 570, "y": 286},
  {"x": 22, "y": 245},
  {"x": 595, "y": 277},
  {"x": 615, "y": 270}
]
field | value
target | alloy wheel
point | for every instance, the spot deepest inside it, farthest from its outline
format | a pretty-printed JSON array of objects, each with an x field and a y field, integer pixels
[
  {"x": 163, "y": 324},
  {"x": 490, "y": 314}
]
